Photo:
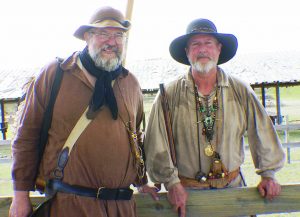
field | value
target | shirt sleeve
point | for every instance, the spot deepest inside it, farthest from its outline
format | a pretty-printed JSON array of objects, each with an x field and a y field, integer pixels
[
  {"x": 26, "y": 141},
  {"x": 158, "y": 159},
  {"x": 265, "y": 146}
]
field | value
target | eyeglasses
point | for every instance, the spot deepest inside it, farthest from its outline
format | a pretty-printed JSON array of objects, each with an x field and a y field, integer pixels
[{"x": 104, "y": 36}]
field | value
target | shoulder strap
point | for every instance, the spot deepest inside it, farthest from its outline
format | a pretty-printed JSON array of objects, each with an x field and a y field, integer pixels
[
  {"x": 49, "y": 110},
  {"x": 63, "y": 157}
]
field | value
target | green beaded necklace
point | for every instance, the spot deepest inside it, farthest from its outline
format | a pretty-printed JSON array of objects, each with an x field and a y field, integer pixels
[{"x": 208, "y": 114}]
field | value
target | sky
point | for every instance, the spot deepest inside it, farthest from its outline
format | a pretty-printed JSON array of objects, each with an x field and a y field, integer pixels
[{"x": 36, "y": 31}]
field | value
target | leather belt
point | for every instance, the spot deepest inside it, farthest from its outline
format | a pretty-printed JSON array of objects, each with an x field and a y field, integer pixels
[
  {"x": 101, "y": 193},
  {"x": 232, "y": 175},
  {"x": 193, "y": 183}
]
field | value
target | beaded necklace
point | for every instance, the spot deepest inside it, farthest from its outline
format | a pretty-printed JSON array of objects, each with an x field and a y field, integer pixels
[
  {"x": 208, "y": 119},
  {"x": 218, "y": 174}
]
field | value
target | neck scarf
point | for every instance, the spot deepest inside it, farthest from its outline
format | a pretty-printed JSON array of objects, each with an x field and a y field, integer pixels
[{"x": 103, "y": 93}]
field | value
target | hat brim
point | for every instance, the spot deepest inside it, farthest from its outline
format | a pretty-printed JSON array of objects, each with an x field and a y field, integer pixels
[
  {"x": 229, "y": 47},
  {"x": 79, "y": 33}
]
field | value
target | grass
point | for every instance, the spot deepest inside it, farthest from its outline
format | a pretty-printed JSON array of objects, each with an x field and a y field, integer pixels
[
  {"x": 5, "y": 179},
  {"x": 290, "y": 103},
  {"x": 5, "y": 151}
]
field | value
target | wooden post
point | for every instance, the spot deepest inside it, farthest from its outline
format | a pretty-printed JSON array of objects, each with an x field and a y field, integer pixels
[
  {"x": 286, "y": 136},
  {"x": 128, "y": 16},
  {"x": 263, "y": 94},
  {"x": 279, "y": 117},
  {"x": 2, "y": 126}
]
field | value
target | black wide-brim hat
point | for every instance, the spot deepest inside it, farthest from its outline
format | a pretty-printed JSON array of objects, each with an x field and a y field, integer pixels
[{"x": 203, "y": 26}]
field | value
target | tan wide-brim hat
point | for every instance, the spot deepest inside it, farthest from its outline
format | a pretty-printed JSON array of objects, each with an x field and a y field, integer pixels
[{"x": 102, "y": 18}]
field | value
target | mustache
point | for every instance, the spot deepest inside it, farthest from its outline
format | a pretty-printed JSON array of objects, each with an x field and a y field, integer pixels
[
  {"x": 203, "y": 56},
  {"x": 109, "y": 47}
]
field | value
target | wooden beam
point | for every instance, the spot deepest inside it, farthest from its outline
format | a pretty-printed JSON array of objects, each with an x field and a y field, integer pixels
[
  {"x": 129, "y": 9},
  {"x": 2, "y": 121},
  {"x": 274, "y": 84},
  {"x": 5, "y": 142},
  {"x": 128, "y": 16},
  {"x": 289, "y": 127},
  {"x": 223, "y": 202},
  {"x": 278, "y": 104},
  {"x": 263, "y": 95}
]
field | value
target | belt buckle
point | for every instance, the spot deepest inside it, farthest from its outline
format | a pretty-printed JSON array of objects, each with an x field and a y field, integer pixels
[{"x": 98, "y": 192}]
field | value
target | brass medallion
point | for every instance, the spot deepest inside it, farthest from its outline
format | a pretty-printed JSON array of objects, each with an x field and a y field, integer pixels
[{"x": 209, "y": 151}]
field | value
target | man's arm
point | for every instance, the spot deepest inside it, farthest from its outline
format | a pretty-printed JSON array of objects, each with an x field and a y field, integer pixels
[
  {"x": 158, "y": 159},
  {"x": 177, "y": 197},
  {"x": 143, "y": 187},
  {"x": 21, "y": 204},
  {"x": 266, "y": 149}
]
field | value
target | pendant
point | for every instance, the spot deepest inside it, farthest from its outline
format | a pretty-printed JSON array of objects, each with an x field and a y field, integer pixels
[{"x": 209, "y": 151}]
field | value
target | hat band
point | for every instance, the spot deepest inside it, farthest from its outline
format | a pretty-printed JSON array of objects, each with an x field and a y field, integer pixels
[
  {"x": 124, "y": 23},
  {"x": 203, "y": 29}
]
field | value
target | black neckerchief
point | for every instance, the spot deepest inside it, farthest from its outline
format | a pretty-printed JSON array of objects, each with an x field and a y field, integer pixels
[{"x": 103, "y": 93}]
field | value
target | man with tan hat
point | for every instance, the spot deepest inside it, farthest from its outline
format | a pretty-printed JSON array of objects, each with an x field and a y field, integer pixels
[
  {"x": 101, "y": 100},
  {"x": 210, "y": 111}
]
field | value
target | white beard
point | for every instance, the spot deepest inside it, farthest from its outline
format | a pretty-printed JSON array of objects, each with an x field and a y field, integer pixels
[
  {"x": 203, "y": 68},
  {"x": 108, "y": 64}
]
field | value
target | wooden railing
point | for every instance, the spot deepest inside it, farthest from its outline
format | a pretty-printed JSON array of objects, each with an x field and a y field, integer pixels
[
  {"x": 286, "y": 128},
  {"x": 224, "y": 202}
]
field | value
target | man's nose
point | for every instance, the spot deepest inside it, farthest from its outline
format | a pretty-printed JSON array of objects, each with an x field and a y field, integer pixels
[{"x": 111, "y": 40}]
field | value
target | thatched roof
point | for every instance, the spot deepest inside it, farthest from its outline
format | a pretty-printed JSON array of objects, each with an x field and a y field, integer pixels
[
  {"x": 12, "y": 81},
  {"x": 252, "y": 68}
]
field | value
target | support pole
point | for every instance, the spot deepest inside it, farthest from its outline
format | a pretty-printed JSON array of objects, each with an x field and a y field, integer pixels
[
  {"x": 3, "y": 125},
  {"x": 287, "y": 140},
  {"x": 263, "y": 94},
  {"x": 128, "y": 16},
  {"x": 279, "y": 117}
]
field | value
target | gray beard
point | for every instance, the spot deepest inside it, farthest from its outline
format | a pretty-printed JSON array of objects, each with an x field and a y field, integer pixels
[
  {"x": 203, "y": 68},
  {"x": 105, "y": 63}
]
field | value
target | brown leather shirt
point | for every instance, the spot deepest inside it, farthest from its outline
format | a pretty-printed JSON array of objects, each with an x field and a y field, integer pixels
[{"x": 101, "y": 156}]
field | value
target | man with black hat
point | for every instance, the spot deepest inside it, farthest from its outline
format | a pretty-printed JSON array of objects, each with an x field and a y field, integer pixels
[
  {"x": 99, "y": 108},
  {"x": 210, "y": 112}
]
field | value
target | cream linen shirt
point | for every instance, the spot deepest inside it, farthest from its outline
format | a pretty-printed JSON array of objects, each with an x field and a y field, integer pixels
[{"x": 239, "y": 112}]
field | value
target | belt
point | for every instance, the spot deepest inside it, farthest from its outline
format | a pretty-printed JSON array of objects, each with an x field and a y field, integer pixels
[
  {"x": 193, "y": 183},
  {"x": 232, "y": 175},
  {"x": 101, "y": 193}
]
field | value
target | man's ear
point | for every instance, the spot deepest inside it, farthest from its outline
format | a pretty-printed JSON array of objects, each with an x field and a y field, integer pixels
[
  {"x": 86, "y": 36},
  {"x": 220, "y": 47},
  {"x": 186, "y": 51}
]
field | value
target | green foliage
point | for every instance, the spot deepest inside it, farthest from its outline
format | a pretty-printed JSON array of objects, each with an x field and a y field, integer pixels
[
  {"x": 290, "y": 93},
  {"x": 5, "y": 179},
  {"x": 5, "y": 151},
  {"x": 289, "y": 101}
]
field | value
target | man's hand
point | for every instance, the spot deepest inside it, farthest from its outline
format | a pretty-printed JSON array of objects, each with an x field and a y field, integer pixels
[
  {"x": 269, "y": 188},
  {"x": 177, "y": 197},
  {"x": 21, "y": 205},
  {"x": 149, "y": 190}
]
